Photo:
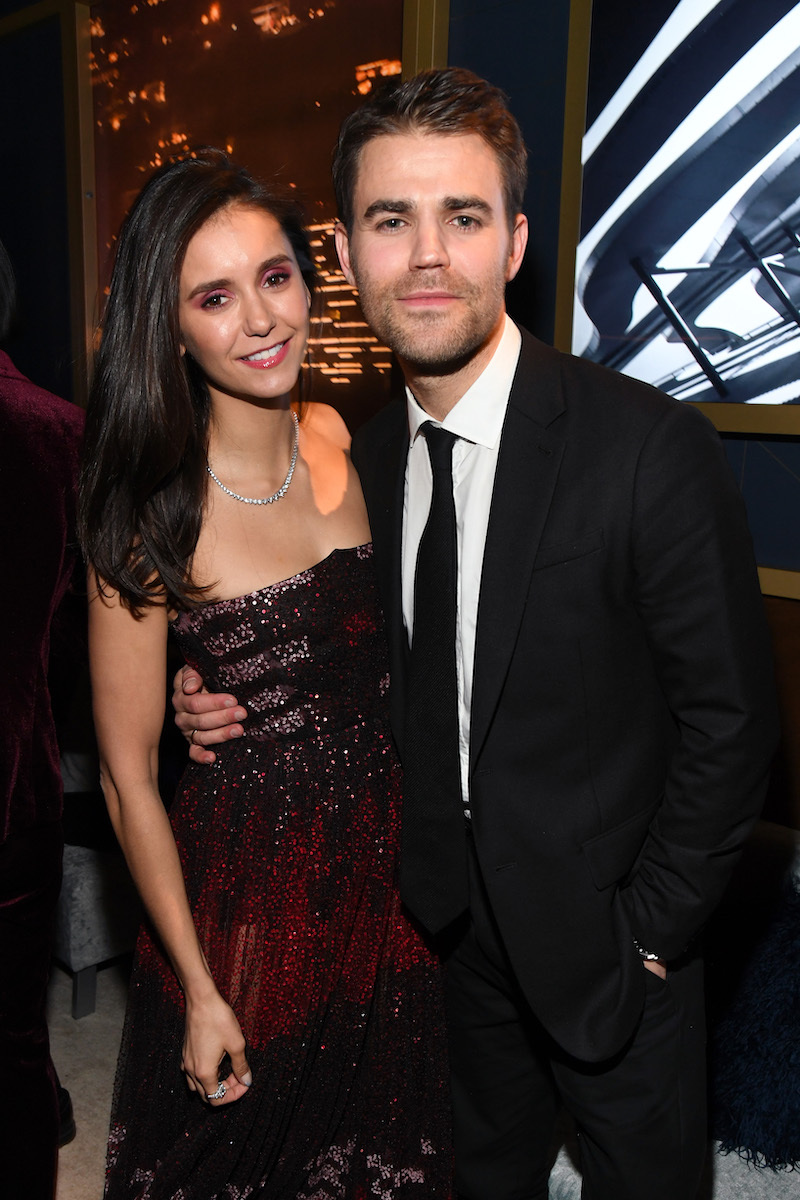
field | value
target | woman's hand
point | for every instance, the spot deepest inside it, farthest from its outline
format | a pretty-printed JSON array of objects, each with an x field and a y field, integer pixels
[{"x": 212, "y": 1031}]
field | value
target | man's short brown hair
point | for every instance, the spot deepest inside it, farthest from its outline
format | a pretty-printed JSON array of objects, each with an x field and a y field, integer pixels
[{"x": 451, "y": 100}]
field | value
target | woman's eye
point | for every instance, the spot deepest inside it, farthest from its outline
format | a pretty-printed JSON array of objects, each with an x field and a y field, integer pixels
[
  {"x": 214, "y": 301},
  {"x": 275, "y": 278}
]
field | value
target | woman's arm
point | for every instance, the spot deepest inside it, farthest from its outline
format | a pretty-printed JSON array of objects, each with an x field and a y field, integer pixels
[{"x": 130, "y": 654}]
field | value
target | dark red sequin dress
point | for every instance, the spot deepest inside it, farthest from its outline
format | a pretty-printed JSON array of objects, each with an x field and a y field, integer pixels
[{"x": 289, "y": 848}]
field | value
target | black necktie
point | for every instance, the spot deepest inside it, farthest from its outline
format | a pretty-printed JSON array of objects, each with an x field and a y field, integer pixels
[{"x": 433, "y": 871}]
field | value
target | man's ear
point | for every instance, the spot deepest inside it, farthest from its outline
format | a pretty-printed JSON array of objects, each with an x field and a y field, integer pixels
[
  {"x": 343, "y": 250},
  {"x": 519, "y": 240}
]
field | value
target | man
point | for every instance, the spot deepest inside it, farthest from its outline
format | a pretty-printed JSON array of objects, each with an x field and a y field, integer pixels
[
  {"x": 39, "y": 453},
  {"x": 609, "y": 722}
]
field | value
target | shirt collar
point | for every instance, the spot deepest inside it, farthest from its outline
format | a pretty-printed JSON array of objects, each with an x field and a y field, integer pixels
[{"x": 479, "y": 414}]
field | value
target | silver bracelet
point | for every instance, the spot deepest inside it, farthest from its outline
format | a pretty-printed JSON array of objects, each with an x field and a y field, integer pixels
[{"x": 647, "y": 955}]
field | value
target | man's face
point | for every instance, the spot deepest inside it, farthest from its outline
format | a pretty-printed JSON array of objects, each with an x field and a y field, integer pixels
[{"x": 431, "y": 250}]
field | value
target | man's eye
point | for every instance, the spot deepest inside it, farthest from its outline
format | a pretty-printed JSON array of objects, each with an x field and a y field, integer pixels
[
  {"x": 464, "y": 221},
  {"x": 391, "y": 223}
]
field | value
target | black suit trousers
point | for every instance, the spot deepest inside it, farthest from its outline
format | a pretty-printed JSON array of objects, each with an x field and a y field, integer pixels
[{"x": 640, "y": 1116}]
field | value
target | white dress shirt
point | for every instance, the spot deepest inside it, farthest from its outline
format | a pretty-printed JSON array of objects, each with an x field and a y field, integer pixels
[{"x": 477, "y": 421}]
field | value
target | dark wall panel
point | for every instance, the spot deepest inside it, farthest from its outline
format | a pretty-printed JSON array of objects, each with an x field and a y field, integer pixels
[
  {"x": 33, "y": 212},
  {"x": 521, "y": 46}
]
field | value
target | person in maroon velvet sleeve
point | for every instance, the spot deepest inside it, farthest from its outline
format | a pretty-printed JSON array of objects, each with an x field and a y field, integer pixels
[{"x": 40, "y": 439}]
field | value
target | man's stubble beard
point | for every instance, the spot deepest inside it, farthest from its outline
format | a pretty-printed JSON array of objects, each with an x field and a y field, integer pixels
[{"x": 433, "y": 343}]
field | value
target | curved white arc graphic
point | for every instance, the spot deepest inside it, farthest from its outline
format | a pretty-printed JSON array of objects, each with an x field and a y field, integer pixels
[
  {"x": 698, "y": 237},
  {"x": 764, "y": 59},
  {"x": 686, "y": 17}
]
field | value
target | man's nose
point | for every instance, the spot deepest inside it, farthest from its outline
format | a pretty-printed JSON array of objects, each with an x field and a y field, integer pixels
[{"x": 429, "y": 248}]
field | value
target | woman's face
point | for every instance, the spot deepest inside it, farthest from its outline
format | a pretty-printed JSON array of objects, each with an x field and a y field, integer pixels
[{"x": 243, "y": 305}]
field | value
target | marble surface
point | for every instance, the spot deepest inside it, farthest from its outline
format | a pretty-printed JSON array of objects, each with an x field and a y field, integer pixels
[{"x": 85, "y": 1055}]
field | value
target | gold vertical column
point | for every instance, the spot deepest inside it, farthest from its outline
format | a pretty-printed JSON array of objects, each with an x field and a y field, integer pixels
[
  {"x": 569, "y": 223},
  {"x": 426, "y": 27}
]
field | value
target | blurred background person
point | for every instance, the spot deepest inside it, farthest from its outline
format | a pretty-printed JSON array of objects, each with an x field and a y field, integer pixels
[{"x": 40, "y": 438}]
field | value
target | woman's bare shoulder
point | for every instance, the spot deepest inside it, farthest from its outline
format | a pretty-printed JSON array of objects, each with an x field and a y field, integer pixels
[{"x": 325, "y": 421}]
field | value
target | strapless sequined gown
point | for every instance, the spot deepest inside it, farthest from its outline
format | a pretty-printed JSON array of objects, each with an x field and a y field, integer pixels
[{"x": 289, "y": 848}]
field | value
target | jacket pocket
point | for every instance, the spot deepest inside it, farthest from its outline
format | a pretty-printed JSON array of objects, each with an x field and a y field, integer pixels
[
  {"x": 562, "y": 552},
  {"x": 612, "y": 855}
]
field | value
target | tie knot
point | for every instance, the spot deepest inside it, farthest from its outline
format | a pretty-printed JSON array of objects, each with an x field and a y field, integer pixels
[{"x": 440, "y": 446}]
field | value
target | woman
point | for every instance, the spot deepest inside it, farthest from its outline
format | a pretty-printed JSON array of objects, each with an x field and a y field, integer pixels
[{"x": 278, "y": 974}]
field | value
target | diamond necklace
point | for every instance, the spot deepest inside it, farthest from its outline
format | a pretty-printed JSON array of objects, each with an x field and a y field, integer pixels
[{"x": 282, "y": 490}]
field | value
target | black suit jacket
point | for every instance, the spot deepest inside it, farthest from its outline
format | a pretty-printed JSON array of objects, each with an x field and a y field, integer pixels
[{"x": 622, "y": 713}]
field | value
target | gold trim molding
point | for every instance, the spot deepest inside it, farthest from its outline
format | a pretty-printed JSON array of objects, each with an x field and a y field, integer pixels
[{"x": 426, "y": 30}]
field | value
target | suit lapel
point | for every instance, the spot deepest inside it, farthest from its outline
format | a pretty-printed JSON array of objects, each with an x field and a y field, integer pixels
[{"x": 531, "y": 450}]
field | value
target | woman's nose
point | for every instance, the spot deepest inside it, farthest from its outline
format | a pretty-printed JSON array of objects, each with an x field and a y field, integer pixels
[{"x": 258, "y": 317}]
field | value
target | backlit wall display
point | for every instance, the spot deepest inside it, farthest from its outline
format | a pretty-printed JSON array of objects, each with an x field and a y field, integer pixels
[
  {"x": 688, "y": 265},
  {"x": 270, "y": 83}
]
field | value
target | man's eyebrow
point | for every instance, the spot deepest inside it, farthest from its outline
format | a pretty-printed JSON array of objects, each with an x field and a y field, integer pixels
[
  {"x": 387, "y": 206},
  {"x": 457, "y": 203},
  {"x": 448, "y": 204}
]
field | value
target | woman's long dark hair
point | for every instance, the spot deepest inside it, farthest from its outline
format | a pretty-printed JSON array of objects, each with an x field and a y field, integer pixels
[{"x": 143, "y": 481}]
